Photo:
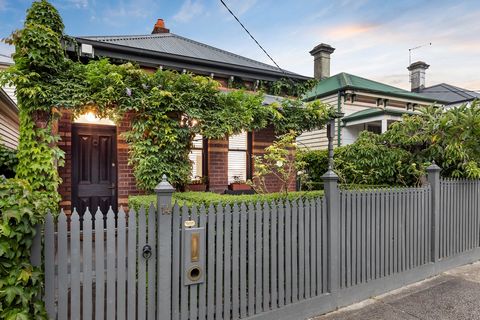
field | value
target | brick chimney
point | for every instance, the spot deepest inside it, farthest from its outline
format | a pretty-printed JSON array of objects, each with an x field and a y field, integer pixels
[
  {"x": 417, "y": 75},
  {"x": 160, "y": 27},
  {"x": 321, "y": 60}
]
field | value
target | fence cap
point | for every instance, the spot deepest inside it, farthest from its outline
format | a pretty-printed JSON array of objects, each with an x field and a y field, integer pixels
[
  {"x": 164, "y": 186},
  {"x": 433, "y": 167},
  {"x": 330, "y": 175}
]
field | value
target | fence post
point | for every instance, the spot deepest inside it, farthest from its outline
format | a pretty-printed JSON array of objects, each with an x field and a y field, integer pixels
[
  {"x": 164, "y": 191},
  {"x": 332, "y": 197},
  {"x": 433, "y": 172}
]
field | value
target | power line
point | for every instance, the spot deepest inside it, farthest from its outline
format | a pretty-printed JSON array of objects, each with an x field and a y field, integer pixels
[{"x": 251, "y": 36}]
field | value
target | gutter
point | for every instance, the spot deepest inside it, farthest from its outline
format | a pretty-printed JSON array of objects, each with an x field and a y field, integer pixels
[{"x": 393, "y": 94}]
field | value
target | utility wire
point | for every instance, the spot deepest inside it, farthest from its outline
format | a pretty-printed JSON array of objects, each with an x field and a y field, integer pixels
[{"x": 251, "y": 36}]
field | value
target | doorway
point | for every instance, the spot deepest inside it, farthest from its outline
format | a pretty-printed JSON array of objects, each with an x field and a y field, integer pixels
[{"x": 94, "y": 167}]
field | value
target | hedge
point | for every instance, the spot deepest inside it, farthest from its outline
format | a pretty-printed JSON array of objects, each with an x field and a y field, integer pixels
[{"x": 207, "y": 198}]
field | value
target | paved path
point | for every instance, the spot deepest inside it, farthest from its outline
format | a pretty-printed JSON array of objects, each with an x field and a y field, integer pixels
[{"x": 452, "y": 295}]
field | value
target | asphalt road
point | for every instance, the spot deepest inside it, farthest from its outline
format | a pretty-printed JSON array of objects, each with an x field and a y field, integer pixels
[{"x": 451, "y": 295}]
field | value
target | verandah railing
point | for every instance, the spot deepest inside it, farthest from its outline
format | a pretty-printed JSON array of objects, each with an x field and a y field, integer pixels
[{"x": 279, "y": 260}]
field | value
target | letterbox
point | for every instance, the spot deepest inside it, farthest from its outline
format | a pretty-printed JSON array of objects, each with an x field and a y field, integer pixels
[{"x": 194, "y": 255}]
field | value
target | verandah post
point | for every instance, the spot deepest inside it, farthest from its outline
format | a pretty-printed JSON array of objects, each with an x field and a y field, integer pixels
[
  {"x": 433, "y": 172},
  {"x": 332, "y": 197},
  {"x": 164, "y": 191}
]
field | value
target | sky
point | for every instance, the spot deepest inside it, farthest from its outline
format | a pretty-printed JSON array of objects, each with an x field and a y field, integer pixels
[{"x": 371, "y": 37}]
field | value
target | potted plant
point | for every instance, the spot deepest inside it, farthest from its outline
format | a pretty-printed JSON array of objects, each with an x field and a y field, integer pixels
[
  {"x": 197, "y": 184},
  {"x": 238, "y": 184}
]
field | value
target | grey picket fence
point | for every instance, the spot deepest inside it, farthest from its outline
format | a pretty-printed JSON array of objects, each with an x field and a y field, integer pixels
[
  {"x": 272, "y": 260},
  {"x": 258, "y": 258}
]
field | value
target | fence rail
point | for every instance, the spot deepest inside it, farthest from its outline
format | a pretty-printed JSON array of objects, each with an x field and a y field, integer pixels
[{"x": 272, "y": 260}]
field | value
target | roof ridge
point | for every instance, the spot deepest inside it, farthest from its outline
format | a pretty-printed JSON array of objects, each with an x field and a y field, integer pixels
[
  {"x": 460, "y": 91},
  {"x": 126, "y": 37}
]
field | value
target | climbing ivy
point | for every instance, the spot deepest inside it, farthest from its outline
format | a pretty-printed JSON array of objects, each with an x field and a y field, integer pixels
[
  {"x": 8, "y": 161},
  {"x": 20, "y": 282}
]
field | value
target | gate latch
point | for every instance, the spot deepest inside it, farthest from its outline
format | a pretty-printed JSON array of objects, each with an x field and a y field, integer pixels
[{"x": 147, "y": 251}]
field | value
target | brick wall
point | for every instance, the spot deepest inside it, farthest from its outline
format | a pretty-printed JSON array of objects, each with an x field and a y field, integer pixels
[
  {"x": 218, "y": 165},
  {"x": 65, "y": 172},
  {"x": 126, "y": 181}
]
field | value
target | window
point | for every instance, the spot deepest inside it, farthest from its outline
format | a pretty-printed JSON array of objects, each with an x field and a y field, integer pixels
[
  {"x": 374, "y": 128},
  {"x": 238, "y": 167},
  {"x": 196, "y": 157}
]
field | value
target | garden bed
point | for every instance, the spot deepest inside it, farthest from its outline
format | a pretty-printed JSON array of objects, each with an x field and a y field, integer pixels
[{"x": 207, "y": 198}]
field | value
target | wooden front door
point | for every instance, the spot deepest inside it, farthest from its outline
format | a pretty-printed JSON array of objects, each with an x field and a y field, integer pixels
[{"x": 94, "y": 167}]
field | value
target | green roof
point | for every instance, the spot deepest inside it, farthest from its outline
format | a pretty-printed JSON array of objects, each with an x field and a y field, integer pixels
[
  {"x": 346, "y": 81},
  {"x": 373, "y": 112}
]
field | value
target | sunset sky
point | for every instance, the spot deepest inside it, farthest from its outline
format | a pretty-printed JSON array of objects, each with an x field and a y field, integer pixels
[{"x": 371, "y": 38}]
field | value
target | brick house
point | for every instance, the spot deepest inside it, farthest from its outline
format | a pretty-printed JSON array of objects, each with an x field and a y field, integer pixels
[{"x": 96, "y": 171}]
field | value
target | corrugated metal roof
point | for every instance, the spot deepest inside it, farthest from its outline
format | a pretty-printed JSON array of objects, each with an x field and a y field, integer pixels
[
  {"x": 344, "y": 81},
  {"x": 449, "y": 93},
  {"x": 174, "y": 44}
]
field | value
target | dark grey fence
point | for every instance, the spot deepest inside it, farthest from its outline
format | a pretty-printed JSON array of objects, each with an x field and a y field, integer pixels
[{"x": 279, "y": 260}]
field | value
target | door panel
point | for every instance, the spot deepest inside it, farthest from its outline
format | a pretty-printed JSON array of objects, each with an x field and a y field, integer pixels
[{"x": 94, "y": 167}]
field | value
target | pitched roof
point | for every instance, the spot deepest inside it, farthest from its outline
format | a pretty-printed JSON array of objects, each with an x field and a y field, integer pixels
[
  {"x": 172, "y": 44},
  {"x": 344, "y": 81},
  {"x": 449, "y": 93}
]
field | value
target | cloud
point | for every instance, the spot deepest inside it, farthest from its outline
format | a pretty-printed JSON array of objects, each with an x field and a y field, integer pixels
[
  {"x": 349, "y": 30},
  {"x": 238, "y": 7},
  {"x": 80, "y": 4},
  {"x": 122, "y": 14},
  {"x": 3, "y": 5},
  {"x": 189, "y": 10}
]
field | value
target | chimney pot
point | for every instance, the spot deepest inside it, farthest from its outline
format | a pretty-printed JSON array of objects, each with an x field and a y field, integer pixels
[
  {"x": 417, "y": 75},
  {"x": 321, "y": 56},
  {"x": 159, "y": 27}
]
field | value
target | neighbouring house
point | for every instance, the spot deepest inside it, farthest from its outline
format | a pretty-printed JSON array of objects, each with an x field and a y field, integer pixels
[
  {"x": 96, "y": 171},
  {"x": 452, "y": 95},
  {"x": 365, "y": 104},
  {"x": 8, "y": 111}
]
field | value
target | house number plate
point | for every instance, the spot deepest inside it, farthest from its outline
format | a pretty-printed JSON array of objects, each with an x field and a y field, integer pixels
[{"x": 189, "y": 224}]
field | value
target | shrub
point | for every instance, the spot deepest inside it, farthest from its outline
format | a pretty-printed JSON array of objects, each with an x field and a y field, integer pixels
[
  {"x": 369, "y": 161},
  {"x": 207, "y": 198}
]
